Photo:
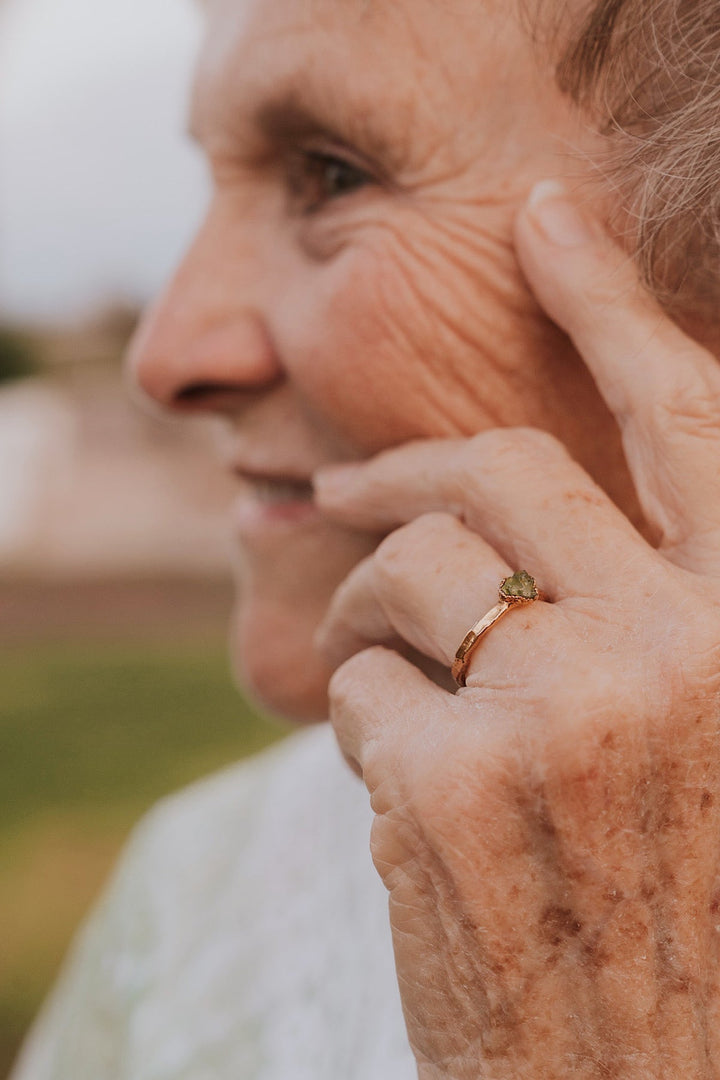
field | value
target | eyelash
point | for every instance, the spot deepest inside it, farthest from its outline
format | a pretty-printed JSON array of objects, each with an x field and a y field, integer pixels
[{"x": 312, "y": 184}]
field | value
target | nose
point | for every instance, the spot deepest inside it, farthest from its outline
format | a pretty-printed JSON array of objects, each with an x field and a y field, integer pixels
[{"x": 205, "y": 344}]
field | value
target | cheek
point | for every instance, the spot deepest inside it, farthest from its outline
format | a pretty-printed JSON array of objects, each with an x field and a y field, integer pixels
[
  {"x": 395, "y": 341},
  {"x": 356, "y": 355}
]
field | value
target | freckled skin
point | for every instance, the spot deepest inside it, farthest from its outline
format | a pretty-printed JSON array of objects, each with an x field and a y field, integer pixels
[{"x": 549, "y": 836}]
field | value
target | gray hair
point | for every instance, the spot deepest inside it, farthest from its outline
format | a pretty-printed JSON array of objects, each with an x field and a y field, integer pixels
[{"x": 649, "y": 70}]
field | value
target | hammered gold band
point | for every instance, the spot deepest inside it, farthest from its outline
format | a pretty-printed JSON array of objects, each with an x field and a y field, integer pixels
[{"x": 514, "y": 591}]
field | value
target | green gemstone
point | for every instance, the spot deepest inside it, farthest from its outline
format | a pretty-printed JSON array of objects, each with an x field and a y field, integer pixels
[{"x": 519, "y": 587}]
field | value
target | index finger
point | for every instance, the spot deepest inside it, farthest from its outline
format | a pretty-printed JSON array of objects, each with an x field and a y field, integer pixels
[
  {"x": 517, "y": 488},
  {"x": 663, "y": 387}
]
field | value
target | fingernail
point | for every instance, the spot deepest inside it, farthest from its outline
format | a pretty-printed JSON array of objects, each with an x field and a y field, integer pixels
[
  {"x": 333, "y": 480},
  {"x": 559, "y": 220}
]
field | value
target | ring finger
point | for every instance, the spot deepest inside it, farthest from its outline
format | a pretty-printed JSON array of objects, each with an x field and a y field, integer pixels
[{"x": 427, "y": 583}]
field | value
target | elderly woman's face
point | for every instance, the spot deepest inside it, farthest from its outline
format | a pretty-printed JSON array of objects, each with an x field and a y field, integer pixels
[{"x": 354, "y": 283}]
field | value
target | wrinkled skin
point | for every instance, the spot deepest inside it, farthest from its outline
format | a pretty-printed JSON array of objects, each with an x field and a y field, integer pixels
[
  {"x": 548, "y": 835},
  {"x": 327, "y": 326}
]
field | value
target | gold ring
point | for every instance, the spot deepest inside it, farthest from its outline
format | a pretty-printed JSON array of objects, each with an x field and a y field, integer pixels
[{"x": 514, "y": 591}]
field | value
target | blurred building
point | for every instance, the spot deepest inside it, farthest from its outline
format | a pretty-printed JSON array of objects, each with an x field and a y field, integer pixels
[{"x": 91, "y": 486}]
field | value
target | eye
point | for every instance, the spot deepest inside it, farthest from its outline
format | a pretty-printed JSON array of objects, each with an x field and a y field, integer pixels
[{"x": 317, "y": 178}]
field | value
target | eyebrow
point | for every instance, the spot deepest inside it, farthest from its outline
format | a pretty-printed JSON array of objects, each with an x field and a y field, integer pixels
[
  {"x": 288, "y": 116},
  {"x": 285, "y": 118}
]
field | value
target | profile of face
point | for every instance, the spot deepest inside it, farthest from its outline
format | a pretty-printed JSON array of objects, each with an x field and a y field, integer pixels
[{"x": 354, "y": 283}]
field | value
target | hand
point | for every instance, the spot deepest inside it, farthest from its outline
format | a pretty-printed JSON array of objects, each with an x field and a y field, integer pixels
[{"x": 550, "y": 835}]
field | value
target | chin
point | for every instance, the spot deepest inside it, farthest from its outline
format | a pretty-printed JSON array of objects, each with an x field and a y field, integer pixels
[{"x": 276, "y": 667}]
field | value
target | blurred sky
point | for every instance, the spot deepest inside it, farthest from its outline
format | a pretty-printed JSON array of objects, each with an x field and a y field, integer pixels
[{"x": 99, "y": 186}]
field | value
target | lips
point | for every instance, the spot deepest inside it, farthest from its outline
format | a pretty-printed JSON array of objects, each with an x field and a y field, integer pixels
[
  {"x": 271, "y": 501},
  {"x": 271, "y": 490},
  {"x": 276, "y": 486}
]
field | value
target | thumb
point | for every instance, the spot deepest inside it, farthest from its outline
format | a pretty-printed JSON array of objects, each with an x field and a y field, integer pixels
[{"x": 591, "y": 288}]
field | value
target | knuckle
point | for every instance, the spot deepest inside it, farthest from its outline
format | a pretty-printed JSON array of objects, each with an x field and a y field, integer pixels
[
  {"x": 693, "y": 658},
  {"x": 605, "y": 292},
  {"x": 510, "y": 448},
  {"x": 401, "y": 548},
  {"x": 356, "y": 582},
  {"x": 689, "y": 408},
  {"x": 348, "y": 684},
  {"x": 343, "y": 686},
  {"x": 392, "y": 553}
]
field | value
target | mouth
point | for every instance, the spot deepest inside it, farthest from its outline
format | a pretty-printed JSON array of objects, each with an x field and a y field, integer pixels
[
  {"x": 270, "y": 501},
  {"x": 275, "y": 490}
]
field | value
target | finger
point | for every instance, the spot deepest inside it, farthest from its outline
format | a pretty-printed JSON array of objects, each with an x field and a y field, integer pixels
[
  {"x": 663, "y": 387},
  {"x": 395, "y": 486},
  {"x": 380, "y": 703},
  {"x": 427, "y": 583},
  {"x": 355, "y": 619},
  {"x": 451, "y": 827},
  {"x": 517, "y": 488}
]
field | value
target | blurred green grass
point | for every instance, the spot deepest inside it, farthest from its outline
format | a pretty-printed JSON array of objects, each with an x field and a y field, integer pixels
[{"x": 91, "y": 734}]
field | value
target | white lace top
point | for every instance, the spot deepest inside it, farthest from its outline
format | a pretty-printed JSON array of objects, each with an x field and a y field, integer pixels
[{"x": 245, "y": 936}]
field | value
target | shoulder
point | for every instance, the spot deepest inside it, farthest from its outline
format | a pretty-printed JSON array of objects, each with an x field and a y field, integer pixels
[
  {"x": 194, "y": 876},
  {"x": 215, "y": 820},
  {"x": 272, "y": 824}
]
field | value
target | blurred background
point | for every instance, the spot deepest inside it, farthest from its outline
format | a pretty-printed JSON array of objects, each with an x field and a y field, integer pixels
[{"x": 114, "y": 581}]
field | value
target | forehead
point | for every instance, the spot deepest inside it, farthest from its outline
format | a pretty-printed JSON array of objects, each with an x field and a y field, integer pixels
[
  {"x": 413, "y": 58},
  {"x": 261, "y": 50},
  {"x": 301, "y": 23}
]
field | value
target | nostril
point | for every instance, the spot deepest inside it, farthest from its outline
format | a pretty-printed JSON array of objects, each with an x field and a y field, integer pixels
[
  {"x": 196, "y": 393},
  {"x": 214, "y": 396}
]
